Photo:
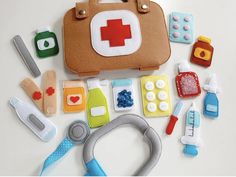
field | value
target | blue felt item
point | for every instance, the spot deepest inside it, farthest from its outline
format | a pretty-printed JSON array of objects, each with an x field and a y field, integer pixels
[
  {"x": 190, "y": 150},
  {"x": 121, "y": 82},
  {"x": 94, "y": 169},
  {"x": 178, "y": 108},
  {"x": 181, "y": 27},
  {"x": 61, "y": 150},
  {"x": 211, "y": 105},
  {"x": 193, "y": 118},
  {"x": 123, "y": 94},
  {"x": 125, "y": 99}
]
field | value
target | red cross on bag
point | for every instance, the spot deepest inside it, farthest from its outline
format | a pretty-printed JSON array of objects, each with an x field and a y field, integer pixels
[{"x": 115, "y": 32}]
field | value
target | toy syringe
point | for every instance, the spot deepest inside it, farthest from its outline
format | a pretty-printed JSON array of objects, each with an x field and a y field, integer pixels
[
  {"x": 191, "y": 139},
  {"x": 174, "y": 117}
]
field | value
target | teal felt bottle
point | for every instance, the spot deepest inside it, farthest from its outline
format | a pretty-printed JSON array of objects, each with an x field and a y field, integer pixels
[{"x": 211, "y": 102}]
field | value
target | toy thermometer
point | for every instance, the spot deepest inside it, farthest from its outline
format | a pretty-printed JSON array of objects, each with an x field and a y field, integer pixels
[
  {"x": 191, "y": 139},
  {"x": 34, "y": 119}
]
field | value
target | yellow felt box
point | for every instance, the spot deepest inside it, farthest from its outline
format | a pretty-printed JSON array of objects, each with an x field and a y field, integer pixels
[{"x": 74, "y": 98}]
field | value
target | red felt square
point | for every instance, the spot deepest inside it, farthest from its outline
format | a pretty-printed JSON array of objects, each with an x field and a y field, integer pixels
[{"x": 188, "y": 85}]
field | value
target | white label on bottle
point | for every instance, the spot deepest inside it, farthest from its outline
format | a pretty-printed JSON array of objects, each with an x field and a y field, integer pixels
[
  {"x": 211, "y": 108},
  {"x": 50, "y": 43},
  {"x": 98, "y": 111}
]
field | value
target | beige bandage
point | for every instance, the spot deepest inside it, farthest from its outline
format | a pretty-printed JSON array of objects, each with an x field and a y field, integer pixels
[
  {"x": 33, "y": 91},
  {"x": 49, "y": 90}
]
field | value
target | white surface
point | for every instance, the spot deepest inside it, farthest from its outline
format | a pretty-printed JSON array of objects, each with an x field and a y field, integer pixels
[{"x": 22, "y": 153}]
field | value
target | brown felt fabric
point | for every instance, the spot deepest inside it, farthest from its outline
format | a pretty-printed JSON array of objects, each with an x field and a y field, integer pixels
[
  {"x": 81, "y": 58},
  {"x": 82, "y": 7},
  {"x": 142, "y": 2}
]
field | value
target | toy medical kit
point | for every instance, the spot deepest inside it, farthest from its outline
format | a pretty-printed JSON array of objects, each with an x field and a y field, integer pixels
[
  {"x": 34, "y": 119},
  {"x": 156, "y": 96},
  {"x": 97, "y": 108},
  {"x": 112, "y": 36},
  {"x": 92, "y": 165},
  {"x": 46, "y": 43},
  {"x": 191, "y": 139},
  {"x": 211, "y": 102},
  {"x": 187, "y": 82},
  {"x": 26, "y": 56},
  {"x": 174, "y": 117},
  {"x": 202, "y": 52},
  {"x": 78, "y": 132},
  {"x": 49, "y": 89},
  {"x": 181, "y": 27},
  {"x": 123, "y": 94},
  {"x": 74, "y": 96},
  {"x": 33, "y": 91}
]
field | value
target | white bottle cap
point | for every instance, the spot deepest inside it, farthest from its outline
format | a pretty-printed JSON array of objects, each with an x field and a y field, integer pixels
[
  {"x": 93, "y": 83},
  {"x": 212, "y": 86},
  {"x": 184, "y": 67},
  {"x": 40, "y": 30}
]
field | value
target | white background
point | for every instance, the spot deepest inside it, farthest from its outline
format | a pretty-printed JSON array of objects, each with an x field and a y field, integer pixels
[{"x": 122, "y": 151}]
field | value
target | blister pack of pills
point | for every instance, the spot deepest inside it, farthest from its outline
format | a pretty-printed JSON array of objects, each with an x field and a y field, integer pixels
[
  {"x": 181, "y": 27},
  {"x": 156, "y": 96}
]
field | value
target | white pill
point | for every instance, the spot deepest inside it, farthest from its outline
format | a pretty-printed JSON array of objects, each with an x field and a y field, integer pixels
[
  {"x": 151, "y": 107},
  {"x": 176, "y": 18},
  {"x": 187, "y": 19},
  {"x": 150, "y": 96},
  {"x": 149, "y": 86},
  {"x": 163, "y": 106},
  {"x": 160, "y": 84},
  {"x": 162, "y": 95}
]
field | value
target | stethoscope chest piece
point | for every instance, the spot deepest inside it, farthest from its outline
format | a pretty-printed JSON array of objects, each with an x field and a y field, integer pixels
[{"x": 78, "y": 132}]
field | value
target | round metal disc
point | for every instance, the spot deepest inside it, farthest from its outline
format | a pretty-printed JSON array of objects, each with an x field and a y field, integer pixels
[{"x": 78, "y": 132}]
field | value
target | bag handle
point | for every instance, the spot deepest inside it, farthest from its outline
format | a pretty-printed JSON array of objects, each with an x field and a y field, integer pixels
[
  {"x": 82, "y": 9},
  {"x": 143, "y": 5},
  {"x": 98, "y": 1}
]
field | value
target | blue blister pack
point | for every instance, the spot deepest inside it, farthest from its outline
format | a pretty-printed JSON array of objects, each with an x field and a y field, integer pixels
[{"x": 181, "y": 27}]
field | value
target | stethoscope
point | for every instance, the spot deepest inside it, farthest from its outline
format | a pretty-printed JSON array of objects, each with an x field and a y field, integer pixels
[{"x": 79, "y": 133}]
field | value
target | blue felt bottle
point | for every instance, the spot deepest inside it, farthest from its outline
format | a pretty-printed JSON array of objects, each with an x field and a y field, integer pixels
[{"x": 211, "y": 102}]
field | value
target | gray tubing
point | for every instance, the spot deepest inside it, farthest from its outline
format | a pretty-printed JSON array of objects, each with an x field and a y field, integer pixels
[{"x": 142, "y": 126}]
